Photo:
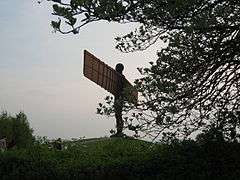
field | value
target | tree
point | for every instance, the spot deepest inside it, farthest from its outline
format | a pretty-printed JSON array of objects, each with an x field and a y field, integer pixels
[
  {"x": 195, "y": 83},
  {"x": 16, "y": 130}
]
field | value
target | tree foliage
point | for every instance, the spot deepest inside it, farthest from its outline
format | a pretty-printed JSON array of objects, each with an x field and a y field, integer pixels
[
  {"x": 194, "y": 85},
  {"x": 16, "y": 130}
]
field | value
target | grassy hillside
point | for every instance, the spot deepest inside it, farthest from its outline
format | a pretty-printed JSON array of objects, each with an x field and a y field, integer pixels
[
  {"x": 118, "y": 158},
  {"x": 93, "y": 158}
]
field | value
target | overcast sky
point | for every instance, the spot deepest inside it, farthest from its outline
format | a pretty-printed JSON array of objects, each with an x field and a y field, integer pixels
[{"x": 41, "y": 72}]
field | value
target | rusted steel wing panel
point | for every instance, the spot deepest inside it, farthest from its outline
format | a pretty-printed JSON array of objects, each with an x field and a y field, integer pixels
[
  {"x": 100, "y": 73},
  {"x": 105, "y": 76}
]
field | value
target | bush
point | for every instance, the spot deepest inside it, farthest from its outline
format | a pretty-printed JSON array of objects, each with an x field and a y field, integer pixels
[
  {"x": 16, "y": 130},
  {"x": 124, "y": 159}
]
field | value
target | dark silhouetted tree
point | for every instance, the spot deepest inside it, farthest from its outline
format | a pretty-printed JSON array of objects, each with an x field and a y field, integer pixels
[
  {"x": 16, "y": 130},
  {"x": 194, "y": 85}
]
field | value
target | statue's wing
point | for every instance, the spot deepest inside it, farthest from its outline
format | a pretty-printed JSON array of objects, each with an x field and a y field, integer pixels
[
  {"x": 105, "y": 76},
  {"x": 100, "y": 73}
]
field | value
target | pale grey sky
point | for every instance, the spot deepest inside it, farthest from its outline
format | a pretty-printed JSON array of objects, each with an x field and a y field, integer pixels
[{"x": 41, "y": 72}]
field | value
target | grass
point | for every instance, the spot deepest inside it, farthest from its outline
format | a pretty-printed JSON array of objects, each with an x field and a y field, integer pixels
[{"x": 89, "y": 157}]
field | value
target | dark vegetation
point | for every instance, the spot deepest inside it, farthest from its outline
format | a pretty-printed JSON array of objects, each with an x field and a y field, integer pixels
[
  {"x": 208, "y": 157},
  {"x": 119, "y": 158},
  {"x": 16, "y": 130}
]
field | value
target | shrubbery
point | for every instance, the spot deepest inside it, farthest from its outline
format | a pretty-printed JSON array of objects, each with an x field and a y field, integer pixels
[
  {"x": 124, "y": 159},
  {"x": 16, "y": 130}
]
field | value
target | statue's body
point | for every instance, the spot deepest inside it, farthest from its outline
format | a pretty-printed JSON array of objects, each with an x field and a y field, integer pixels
[
  {"x": 118, "y": 101},
  {"x": 114, "y": 82}
]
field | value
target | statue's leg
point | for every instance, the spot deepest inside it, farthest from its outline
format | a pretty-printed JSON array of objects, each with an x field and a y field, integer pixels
[{"x": 118, "y": 106}]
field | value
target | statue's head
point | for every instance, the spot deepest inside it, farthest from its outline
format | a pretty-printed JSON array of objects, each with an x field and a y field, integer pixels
[{"x": 119, "y": 68}]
